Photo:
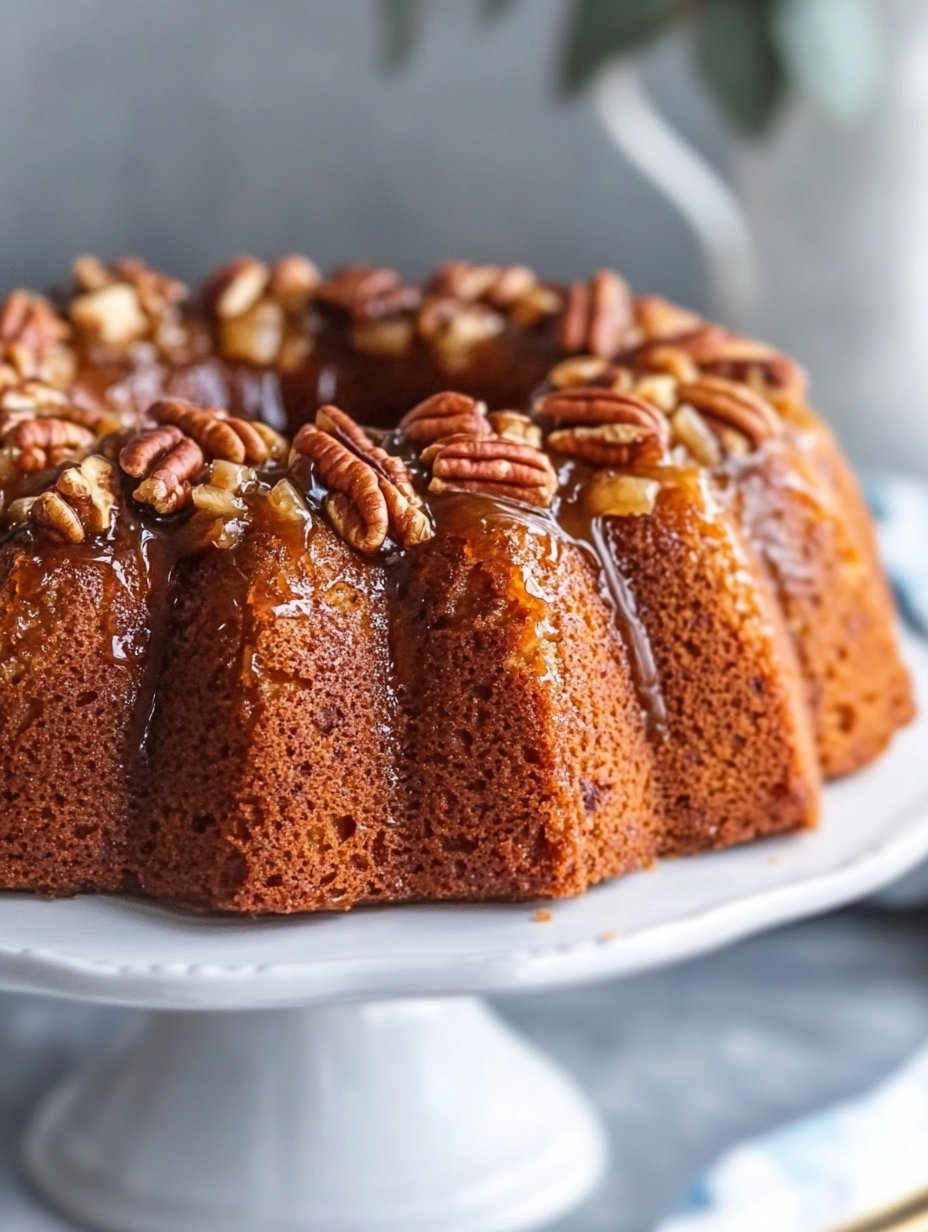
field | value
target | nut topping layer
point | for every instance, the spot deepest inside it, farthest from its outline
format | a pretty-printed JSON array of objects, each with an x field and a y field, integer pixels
[{"x": 643, "y": 384}]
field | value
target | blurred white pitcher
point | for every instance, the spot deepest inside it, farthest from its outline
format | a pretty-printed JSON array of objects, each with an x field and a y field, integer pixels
[{"x": 822, "y": 246}]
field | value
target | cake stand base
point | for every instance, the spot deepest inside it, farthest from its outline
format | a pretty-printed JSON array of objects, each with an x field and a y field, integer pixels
[{"x": 402, "y": 1116}]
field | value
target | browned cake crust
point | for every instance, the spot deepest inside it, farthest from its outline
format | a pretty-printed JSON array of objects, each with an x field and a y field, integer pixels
[{"x": 260, "y": 659}]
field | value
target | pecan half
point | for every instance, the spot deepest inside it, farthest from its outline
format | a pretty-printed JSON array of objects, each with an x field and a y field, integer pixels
[
  {"x": 742, "y": 359},
  {"x": 166, "y": 460},
  {"x": 217, "y": 434},
  {"x": 81, "y": 503},
  {"x": 31, "y": 321},
  {"x": 500, "y": 286},
  {"x": 369, "y": 495},
  {"x": 444, "y": 414},
  {"x": 36, "y": 399},
  {"x": 44, "y": 441},
  {"x": 596, "y": 314},
  {"x": 730, "y": 406},
  {"x": 367, "y": 292},
  {"x": 603, "y": 427},
  {"x": 492, "y": 465},
  {"x": 32, "y": 340}
]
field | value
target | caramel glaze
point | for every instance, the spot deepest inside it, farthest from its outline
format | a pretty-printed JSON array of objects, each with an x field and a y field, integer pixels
[{"x": 337, "y": 373}]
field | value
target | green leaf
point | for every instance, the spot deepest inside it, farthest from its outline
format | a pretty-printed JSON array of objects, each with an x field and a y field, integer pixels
[
  {"x": 599, "y": 30},
  {"x": 496, "y": 10},
  {"x": 833, "y": 49},
  {"x": 739, "y": 60},
  {"x": 400, "y": 21}
]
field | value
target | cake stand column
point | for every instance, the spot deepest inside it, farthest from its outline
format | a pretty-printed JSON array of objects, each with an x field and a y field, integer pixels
[{"x": 398, "y": 1116}]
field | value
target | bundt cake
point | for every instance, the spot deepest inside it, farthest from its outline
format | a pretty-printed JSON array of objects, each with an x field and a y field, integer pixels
[{"x": 591, "y": 586}]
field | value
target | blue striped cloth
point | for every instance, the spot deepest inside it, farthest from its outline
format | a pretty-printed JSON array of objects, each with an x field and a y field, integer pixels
[
  {"x": 820, "y": 1173},
  {"x": 870, "y": 1153}
]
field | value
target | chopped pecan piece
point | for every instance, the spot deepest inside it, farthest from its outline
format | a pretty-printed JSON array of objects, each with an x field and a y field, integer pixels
[
  {"x": 603, "y": 427},
  {"x": 113, "y": 314},
  {"x": 492, "y": 465},
  {"x": 236, "y": 287},
  {"x": 578, "y": 370},
  {"x": 124, "y": 301},
  {"x": 657, "y": 317},
  {"x": 217, "y": 434},
  {"x": 369, "y": 493},
  {"x": 612, "y": 494},
  {"x": 596, "y": 315},
  {"x": 537, "y": 304},
  {"x": 221, "y": 496},
  {"x": 166, "y": 460},
  {"x": 388, "y": 338},
  {"x": 254, "y": 336},
  {"x": 81, "y": 503},
  {"x": 293, "y": 281},
  {"x": 515, "y": 426},
  {"x": 157, "y": 291},
  {"x": 454, "y": 329},
  {"x": 730, "y": 406},
  {"x": 692, "y": 432},
  {"x": 444, "y": 414},
  {"x": 44, "y": 441}
]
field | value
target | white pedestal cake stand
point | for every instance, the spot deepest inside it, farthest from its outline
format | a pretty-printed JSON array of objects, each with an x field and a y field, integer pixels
[{"x": 374, "y": 1093}]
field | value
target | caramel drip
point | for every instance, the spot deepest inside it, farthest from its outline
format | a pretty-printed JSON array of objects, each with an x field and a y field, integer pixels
[
  {"x": 647, "y": 677},
  {"x": 567, "y": 524},
  {"x": 589, "y": 534}
]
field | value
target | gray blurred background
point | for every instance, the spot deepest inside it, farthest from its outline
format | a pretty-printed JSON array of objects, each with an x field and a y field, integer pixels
[{"x": 186, "y": 131}]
